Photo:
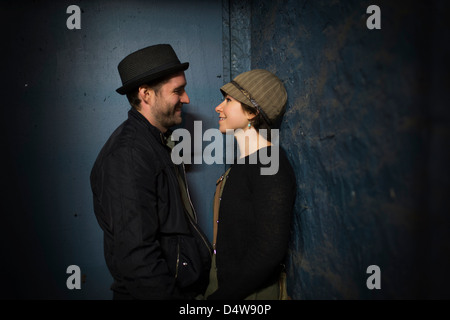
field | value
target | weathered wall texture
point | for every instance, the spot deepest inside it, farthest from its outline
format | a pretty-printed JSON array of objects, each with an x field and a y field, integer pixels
[{"x": 366, "y": 130}]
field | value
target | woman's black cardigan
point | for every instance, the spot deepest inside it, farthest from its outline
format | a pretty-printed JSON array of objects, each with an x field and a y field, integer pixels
[{"x": 254, "y": 226}]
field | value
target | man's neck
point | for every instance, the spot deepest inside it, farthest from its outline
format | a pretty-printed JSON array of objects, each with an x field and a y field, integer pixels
[{"x": 153, "y": 121}]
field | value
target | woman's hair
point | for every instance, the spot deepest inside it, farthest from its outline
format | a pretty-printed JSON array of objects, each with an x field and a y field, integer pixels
[{"x": 258, "y": 122}]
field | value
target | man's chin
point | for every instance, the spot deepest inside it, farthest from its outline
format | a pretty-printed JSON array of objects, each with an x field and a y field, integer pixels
[{"x": 176, "y": 120}]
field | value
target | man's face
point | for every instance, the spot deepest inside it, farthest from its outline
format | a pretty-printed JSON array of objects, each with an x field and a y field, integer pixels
[{"x": 169, "y": 100}]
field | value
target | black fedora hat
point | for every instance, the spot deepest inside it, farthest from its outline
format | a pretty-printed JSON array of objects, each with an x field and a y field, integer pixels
[{"x": 148, "y": 64}]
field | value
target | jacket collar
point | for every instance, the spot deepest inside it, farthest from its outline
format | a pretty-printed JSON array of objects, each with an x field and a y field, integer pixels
[{"x": 161, "y": 137}]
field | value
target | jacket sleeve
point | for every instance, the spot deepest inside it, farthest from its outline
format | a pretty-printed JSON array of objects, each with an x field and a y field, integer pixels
[
  {"x": 272, "y": 200},
  {"x": 129, "y": 194}
]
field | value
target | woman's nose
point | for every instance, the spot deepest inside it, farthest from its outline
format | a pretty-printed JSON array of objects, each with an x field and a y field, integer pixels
[{"x": 219, "y": 108}]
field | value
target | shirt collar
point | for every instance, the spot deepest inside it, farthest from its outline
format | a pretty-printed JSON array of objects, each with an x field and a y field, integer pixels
[{"x": 164, "y": 138}]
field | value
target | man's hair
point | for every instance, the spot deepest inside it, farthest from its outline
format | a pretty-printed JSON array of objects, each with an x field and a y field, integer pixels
[{"x": 155, "y": 85}]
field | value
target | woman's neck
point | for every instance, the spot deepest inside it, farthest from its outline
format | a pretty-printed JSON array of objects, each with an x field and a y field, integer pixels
[{"x": 250, "y": 141}]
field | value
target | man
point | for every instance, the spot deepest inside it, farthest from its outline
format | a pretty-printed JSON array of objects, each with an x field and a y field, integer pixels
[{"x": 154, "y": 248}]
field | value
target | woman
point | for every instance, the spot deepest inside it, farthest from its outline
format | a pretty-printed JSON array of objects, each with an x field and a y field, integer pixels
[{"x": 252, "y": 210}]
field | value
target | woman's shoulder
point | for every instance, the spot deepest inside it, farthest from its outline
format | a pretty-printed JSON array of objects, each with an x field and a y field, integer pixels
[
  {"x": 272, "y": 176},
  {"x": 270, "y": 163}
]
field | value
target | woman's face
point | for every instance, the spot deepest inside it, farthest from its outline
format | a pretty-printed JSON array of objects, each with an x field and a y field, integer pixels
[{"x": 232, "y": 115}]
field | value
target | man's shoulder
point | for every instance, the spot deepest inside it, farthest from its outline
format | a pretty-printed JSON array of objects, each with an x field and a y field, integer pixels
[
  {"x": 127, "y": 138},
  {"x": 121, "y": 138}
]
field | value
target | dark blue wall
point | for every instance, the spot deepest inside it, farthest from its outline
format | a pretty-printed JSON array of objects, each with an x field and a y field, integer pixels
[
  {"x": 59, "y": 108},
  {"x": 367, "y": 131}
]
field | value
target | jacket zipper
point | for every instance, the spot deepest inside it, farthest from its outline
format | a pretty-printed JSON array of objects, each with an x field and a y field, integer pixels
[
  {"x": 187, "y": 191},
  {"x": 178, "y": 259},
  {"x": 205, "y": 241}
]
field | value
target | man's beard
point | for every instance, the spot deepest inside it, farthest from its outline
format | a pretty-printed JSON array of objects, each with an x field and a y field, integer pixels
[{"x": 170, "y": 117}]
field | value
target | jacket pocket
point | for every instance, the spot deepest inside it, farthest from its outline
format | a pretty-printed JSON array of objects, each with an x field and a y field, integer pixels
[{"x": 191, "y": 266}]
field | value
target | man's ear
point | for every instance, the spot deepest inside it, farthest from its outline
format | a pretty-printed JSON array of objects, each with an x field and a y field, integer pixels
[{"x": 146, "y": 94}]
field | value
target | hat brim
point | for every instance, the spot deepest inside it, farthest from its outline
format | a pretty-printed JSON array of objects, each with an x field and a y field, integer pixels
[
  {"x": 150, "y": 76},
  {"x": 235, "y": 93}
]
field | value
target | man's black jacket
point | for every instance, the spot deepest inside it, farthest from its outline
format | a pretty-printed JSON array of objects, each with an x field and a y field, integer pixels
[{"x": 153, "y": 248}]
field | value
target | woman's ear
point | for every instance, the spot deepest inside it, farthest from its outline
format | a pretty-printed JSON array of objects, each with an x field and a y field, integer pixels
[{"x": 251, "y": 115}]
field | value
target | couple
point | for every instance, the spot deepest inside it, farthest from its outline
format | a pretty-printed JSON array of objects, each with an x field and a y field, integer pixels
[{"x": 153, "y": 245}]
